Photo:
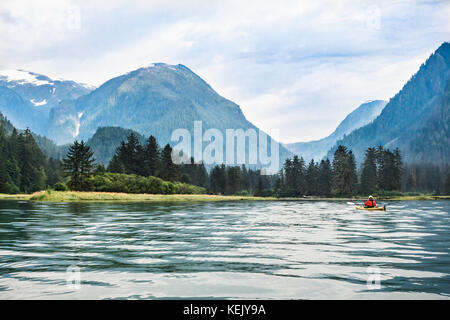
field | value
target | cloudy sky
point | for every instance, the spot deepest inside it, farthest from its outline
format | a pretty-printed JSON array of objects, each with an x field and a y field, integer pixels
[{"x": 296, "y": 66}]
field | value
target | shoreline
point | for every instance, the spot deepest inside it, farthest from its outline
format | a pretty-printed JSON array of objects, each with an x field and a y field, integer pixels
[{"x": 74, "y": 196}]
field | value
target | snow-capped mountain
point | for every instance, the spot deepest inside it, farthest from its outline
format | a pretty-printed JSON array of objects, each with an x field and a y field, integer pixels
[
  {"x": 39, "y": 94},
  {"x": 40, "y": 90}
]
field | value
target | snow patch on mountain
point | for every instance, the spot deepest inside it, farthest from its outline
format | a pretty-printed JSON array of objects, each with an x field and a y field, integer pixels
[
  {"x": 38, "y": 103},
  {"x": 22, "y": 77},
  {"x": 77, "y": 125},
  {"x": 88, "y": 86}
]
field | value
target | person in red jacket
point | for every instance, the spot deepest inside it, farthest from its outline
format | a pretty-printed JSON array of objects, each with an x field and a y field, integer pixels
[{"x": 370, "y": 203}]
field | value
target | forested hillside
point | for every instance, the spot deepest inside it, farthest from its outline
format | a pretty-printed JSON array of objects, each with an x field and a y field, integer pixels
[
  {"x": 414, "y": 120},
  {"x": 106, "y": 140},
  {"x": 22, "y": 164}
]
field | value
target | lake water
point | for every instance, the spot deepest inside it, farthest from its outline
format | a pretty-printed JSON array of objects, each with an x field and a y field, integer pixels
[{"x": 246, "y": 250}]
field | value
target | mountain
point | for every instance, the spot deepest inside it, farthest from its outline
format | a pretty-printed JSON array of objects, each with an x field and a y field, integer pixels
[
  {"x": 318, "y": 149},
  {"x": 40, "y": 90},
  {"x": 106, "y": 140},
  {"x": 20, "y": 112},
  {"x": 151, "y": 100},
  {"x": 431, "y": 142},
  {"x": 39, "y": 95},
  {"x": 154, "y": 100},
  {"x": 47, "y": 146},
  {"x": 6, "y": 124},
  {"x": 416, "y": 119}
]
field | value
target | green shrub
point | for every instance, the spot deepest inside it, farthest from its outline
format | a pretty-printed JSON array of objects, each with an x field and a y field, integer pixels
[
  {"x": 59, "y": 186},
  {"x": 131, "y": 183},
  {"x": 243, "y": 193}
]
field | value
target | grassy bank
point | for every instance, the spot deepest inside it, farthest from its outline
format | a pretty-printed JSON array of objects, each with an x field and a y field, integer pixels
[
  {"x": 72, "y": 196},
  {"x": 4, "y": 196}
]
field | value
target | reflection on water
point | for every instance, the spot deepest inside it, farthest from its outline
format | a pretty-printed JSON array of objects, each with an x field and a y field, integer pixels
[{"x": 224, "y": 250}]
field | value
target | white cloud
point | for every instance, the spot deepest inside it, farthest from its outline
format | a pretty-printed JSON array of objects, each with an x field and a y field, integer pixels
[{"x": 297, "y": 66}]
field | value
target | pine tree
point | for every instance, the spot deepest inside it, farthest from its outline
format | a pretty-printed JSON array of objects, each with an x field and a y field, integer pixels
[
  {"x": 78, "y": 165},
  {"x": 245, "y": 178},
  {"x": 260, "y": 187},
  {"x": 32, "y": 163},
  {"x": 382, "y": 169},
  {"x": 234, "y": 177},
  {"x": 201, "y": 176},
  {"x": 340, "y": 171},
  {"x": 369, "y": 172},
  {"x": 133, "y": 158},
  {"x": 152, "y": 157},
  {"x": 325, "y": 178},
  {"x": 353, "y": 181},
  {"x": 398, "y": 170},
  {"x": 169, "y": 170},
  {"x": 312, "y": 172},
  {"x": 288, "y": 178},
  {"x": 344, "y": 172},
  {"x": 298, "y": 176},
  {"x": 116, "y": 164},
  {"x": 218, "y": 179},
  {"x": 185, "y": 178}
]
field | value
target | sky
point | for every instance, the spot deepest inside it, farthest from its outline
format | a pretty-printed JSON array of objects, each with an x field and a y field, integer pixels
[{"x": 298, "y": 67}]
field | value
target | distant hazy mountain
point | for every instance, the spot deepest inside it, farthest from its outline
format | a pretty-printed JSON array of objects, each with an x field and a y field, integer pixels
[
  {"x": 154, "y": 100},
  {"x": 39, "y": 94},
  {"x": 318, "y": 149},
  {"x": 416, "y": 120}
]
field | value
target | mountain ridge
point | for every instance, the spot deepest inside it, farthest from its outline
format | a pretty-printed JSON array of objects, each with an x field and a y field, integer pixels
[
  {"x": 408, "y": 111},
  {"x": 317, "y": 149},
  {"x": 154, "y": 100},
  {"x": 40, "y": 94}
]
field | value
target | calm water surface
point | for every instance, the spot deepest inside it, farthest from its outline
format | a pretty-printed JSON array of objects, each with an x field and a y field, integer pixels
[{"x": 283, "y": 250}]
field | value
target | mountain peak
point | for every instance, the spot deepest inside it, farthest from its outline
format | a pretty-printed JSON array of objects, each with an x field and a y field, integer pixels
[
  {"x": 22, "y": 77},
  {"x": 163, "y": 65},
  {"x": 445, "y": 46}
]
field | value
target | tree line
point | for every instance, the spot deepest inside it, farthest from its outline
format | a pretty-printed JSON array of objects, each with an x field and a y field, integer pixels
[
  {"x": 24, "y": 168},
  {"x": 150, "y": 160}
]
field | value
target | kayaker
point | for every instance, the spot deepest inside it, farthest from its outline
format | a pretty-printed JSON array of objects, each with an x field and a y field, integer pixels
[{"x": 370, "y": 203}]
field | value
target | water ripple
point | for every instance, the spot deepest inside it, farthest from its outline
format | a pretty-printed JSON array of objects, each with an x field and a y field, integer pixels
[{"x": 224, "y": 250}]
